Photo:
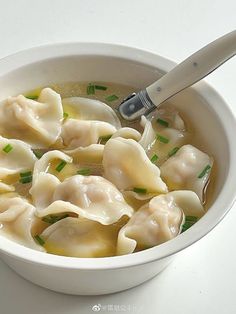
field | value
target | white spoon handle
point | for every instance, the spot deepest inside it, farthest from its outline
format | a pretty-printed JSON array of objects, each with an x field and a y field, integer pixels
[
  {"x": 185, "y": 74},
  {"x": 193, "y": 69}
]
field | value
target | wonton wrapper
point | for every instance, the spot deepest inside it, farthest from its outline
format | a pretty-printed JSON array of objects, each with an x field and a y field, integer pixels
[
  {"x": 158, "y": 221},
  {"x": 90, "y": 197},
  {"x": 127, "y": 133},
  {"x": 91, "y": 109},
  {"x": 82, "y": 133},
  {"x": 19, "y": 159},
  {"x": 37, "y": 123},
  {"x": 127, "y": 166},
  {"x": 17, "y": 218},
  {"x": 181, "y": 171},
  {"x": 42, "y": 164},
  {"x": 80, "y": 238},
  {"x": 94, "y": 152},
  {"x": 89, "y": 154}
]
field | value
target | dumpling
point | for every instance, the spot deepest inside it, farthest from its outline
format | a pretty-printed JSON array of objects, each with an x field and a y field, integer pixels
[
  {"x": 91, "y": 109},
  {"x": 43, "y": 188},
  {"x": 158, "y": 221},
  {"x": 15, "y": 157},
  {"x": 90, "y": 197},
  {"x": 136, "y": 200},
  {"x": 17, "y": 219},
  {"x": 189, "y": 202},
  {"x": 161, "y": 141},
  {"x": 11, "y": 207},
  {"x": 149, "y": 135},
  {"x": 43, "y": 163},
  {"x": 41, "y": 196},
  {"x": 127, "y": 166},
  {"x": 37, "y": 123},
  {"x": 80, "y": 238},
  {"x": 188, "y": 169},
  {"x": 94, "y": 152},
  {"x": 127, "y": 133},
  {"x": 89, "y": 154},
  {"x": 82, "y": 133}
]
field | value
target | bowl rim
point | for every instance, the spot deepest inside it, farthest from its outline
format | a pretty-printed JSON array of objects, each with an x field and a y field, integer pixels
[{"x": 217, "y": 211}]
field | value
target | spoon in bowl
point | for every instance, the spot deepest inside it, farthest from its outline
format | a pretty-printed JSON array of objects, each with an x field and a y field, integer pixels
[{"x": 185, "y": 74}]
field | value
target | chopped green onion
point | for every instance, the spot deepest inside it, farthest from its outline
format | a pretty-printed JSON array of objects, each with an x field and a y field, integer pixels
[
  {"x": 191, "y": 218},
  {"x": 39, "y": 240},
  {"x": 111, "y": 98},
  {"x": 33, "y": 97},
  {"x": 154, "y": 158},
  {"x": 7, "y": 148},
  {"x": 25, "y": 177},
  {"x": 173, "y": 151},
  {"x": 90, "y": 89},
  {"x": 100, "y": 87},
  {"x": 51, "y": 219},
  {"x": 65, "y": 115},
  {"x": 84, "y": 171},
  {"x": 38, "y": 153},
  {"x": 163, "y": 122},
  {"x": 204, "y": 171},
  {"x": 140, "y": 190},
  {"x": 104, "y": 139},
  {"x": 162, "y": 139},
  {"x": 26, "y": 174},
  {"x": 60, "y": 166},
  {"x": 24, "y": 180},
  {"x": 186, "y": 226},
  {"x": 189, "y": 222}
]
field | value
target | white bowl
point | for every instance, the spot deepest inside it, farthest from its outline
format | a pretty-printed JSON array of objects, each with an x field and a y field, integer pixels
[{"x": 201, "y": 104}]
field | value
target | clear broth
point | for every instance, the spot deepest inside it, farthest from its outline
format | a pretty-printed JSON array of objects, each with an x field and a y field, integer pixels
[{"x": 73, "y": 89}]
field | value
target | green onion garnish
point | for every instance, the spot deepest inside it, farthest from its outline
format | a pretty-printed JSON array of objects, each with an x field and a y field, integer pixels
[
  {"x": 140, "y": 190},
  {"x": 33, "y": 97},
  {"x": 25, "y": 180},
  {"x": 104, "y": 139},
  {"x": 154, "y": 158},
  {"x": 26, "y": 174},
  {"x": 204, "y": 171},
  {"x": 38, "y": 153},
  {"x": 39, "y": 240},
  {"x": 163, "y": 122},
  {"x": 100, "y": 87},
  {"x": 84, "y": 171},
  {"x": 90, "y": 89},
  {"x": 7, "y": 148},
  {"x": 60, "y": 166},
  {"x": 111, "y": 98},
  {"x": 162, "y": 139},
  {"x": 51, "y": 219},
  {"x": 65, "y": 115},
  {"x": 173, "y": 151},
  {"x": 191, "y": 218},
  {"x": 189, "y": 222},
  {"x": 25, "y": 177}
]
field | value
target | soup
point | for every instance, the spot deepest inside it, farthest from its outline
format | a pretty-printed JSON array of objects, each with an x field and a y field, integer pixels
[{"x": 77, "y": 180}]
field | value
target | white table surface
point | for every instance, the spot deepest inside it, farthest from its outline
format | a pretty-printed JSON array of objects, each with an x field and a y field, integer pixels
[{"x": 202, "y": 279}]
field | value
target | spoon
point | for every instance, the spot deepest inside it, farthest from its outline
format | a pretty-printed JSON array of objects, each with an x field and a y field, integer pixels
[{"x": 185, "y": 74}]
